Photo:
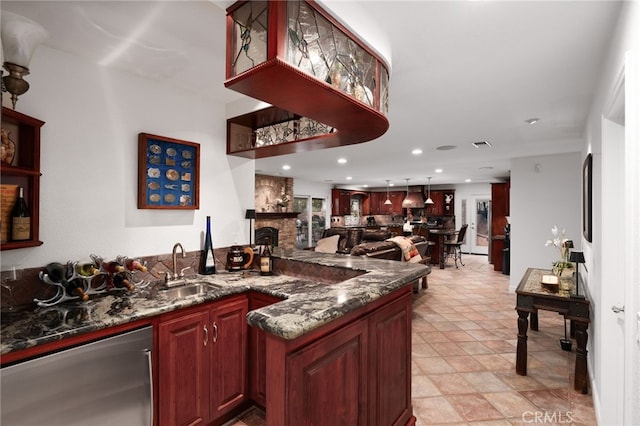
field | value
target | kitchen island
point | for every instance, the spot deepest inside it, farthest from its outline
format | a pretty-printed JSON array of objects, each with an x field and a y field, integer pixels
[{"x": 338, "y": 336}]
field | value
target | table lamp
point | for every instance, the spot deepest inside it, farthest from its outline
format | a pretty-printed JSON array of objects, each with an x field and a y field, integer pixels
[
  {"x": 578, "y": 258},
  {"x": 250, "y": 214}
]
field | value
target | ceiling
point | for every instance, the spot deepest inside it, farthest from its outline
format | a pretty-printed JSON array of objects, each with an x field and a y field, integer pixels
[{"x": 462, "y": 71}]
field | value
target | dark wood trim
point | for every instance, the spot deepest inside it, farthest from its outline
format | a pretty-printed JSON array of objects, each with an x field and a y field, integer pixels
[{"x": 276, "y": 215}]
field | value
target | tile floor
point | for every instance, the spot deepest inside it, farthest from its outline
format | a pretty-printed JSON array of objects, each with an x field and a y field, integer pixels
[{"x": 464, "y": 348}]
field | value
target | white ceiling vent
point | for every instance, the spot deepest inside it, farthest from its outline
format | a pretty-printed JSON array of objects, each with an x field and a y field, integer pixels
[{"x": 481, "y": 144}]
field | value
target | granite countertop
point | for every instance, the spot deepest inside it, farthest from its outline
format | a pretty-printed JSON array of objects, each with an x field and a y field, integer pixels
[{"x": 306, "y": 305}]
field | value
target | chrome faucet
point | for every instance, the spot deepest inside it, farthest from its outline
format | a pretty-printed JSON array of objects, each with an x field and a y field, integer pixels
[{"x": 175, "y": 262}]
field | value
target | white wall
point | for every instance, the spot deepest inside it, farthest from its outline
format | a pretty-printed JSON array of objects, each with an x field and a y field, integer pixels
[
  {"x": 545, "y": 191},
  {"x": 88, "y": 196},
  {"x": 608, "y": 196}
]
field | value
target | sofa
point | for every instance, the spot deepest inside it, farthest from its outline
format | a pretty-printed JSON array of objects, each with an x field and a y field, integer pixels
[
  {"x": 373, "y": 243},
  {"x": 378, "y": 244}
]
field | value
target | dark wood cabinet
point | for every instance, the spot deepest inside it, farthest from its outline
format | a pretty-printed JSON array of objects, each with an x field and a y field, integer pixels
[
  {"x": 23, "y": 171},
  {"x": 390, "y": 364},
  {"x": 336, "y": 368},
  {"x": 202, "y": 363},
  {"x": 443, "y": 203},
  {"x": 228, "y": 356},
  {"x": 356, "y": 371},
  {"x": 340, "y": 202},
  {"x": 257, "y": 352},
  {"x": 183, "y": 374}
]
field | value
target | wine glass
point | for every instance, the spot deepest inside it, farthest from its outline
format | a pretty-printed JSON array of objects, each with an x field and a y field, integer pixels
[{"x": 10, "y": 277}]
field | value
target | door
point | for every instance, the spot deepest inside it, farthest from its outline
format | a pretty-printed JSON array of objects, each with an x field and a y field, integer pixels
[
  {"x": 228, "y": 339},
  {"x": 620, "y": 377},
  {"x": 477, "y": 240},
  {"x": 184, "y": 370},
  {"x": 311, "y": 221}
]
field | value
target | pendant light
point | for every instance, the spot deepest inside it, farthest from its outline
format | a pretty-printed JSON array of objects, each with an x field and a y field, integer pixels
[
  {"x": 388, "y": 202},
  {"x": 407, "y": 202},
  {"x": 429, "y": 200}
]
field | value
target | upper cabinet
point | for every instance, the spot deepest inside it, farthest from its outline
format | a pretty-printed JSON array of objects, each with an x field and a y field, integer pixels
[
  {"x": 443, "y": 203},
  {"x": 327, "y": 87},
  {"x": 20, "y": 167}
]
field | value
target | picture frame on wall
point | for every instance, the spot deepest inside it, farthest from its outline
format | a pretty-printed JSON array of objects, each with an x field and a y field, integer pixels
[
  {"x": 587, "y": 201},
  {"x": 168, "y": 173}
]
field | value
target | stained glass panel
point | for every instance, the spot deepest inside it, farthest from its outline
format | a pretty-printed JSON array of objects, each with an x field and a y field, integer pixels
[
  {"x": 249, "y": 36},
  {"x": 321, "y": 49}
]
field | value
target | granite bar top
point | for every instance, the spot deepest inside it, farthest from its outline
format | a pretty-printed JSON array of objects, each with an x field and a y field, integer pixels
[{"x": 307, "y": 303}]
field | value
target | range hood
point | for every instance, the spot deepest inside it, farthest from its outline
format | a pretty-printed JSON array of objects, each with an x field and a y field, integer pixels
[{"x": 416, "y": 200}]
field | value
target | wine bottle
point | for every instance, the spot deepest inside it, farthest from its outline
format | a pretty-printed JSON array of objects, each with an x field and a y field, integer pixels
[
  {"x": 121, "y": 281},
  {"x": 135, "y": 265},
  {"x": 207, "y": 259},
  {"x": 87, "y": 269},
  {"x": 56, "y": 272},
  {"x": 20, "y": 219},
  {"x": 112, "y": 267},
  {"x": 266, "y": 262},
  {"x": 75, "y": 287}
]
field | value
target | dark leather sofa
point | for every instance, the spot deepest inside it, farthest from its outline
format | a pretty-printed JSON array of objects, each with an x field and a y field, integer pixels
[{"x": 373, "y": 243}]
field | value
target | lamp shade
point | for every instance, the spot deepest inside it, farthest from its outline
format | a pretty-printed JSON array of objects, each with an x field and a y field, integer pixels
[
  {"x": 20, "y": 37},
  {"x": 576, "y": 256},
  {"x": 250, "y": 214}
]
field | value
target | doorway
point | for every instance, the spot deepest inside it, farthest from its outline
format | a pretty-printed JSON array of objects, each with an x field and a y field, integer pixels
[
  {"x": 310, "y": 222},
  {"x": 478, "y": 216}
]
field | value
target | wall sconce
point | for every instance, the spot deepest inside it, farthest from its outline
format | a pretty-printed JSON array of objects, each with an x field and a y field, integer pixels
[
  {"x": 250, "y": 214},
  {"x": 578, "y": 258},
  {"x": 20, "y": 37}
]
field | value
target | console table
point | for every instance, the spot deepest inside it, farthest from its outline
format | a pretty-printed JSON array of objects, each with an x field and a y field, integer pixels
[{"x": 532, "y": 295}]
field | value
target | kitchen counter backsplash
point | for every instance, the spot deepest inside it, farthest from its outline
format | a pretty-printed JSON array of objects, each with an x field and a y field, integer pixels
[
  {"x": 30, "y": 287},
  {"x": 327, "y": 287}
]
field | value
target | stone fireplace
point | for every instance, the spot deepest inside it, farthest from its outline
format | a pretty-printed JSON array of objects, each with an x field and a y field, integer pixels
[{"x": 273, "y": 203}]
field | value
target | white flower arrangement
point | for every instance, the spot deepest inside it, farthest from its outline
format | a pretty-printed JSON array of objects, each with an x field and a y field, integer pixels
[{"x": 563, "y": 245}]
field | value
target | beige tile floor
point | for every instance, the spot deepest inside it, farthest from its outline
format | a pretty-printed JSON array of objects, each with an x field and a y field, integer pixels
[{"x": 463, "y": 357}]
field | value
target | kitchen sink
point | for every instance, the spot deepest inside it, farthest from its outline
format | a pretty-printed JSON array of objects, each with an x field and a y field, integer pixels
[{"x": 189, "y": 289}]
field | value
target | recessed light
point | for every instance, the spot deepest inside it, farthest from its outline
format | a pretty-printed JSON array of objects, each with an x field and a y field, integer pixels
[
  {"x": 392, "y": 184},
  {"x": 481, "y": 144},
  {"x": 286, "y": 167},
  {"x": 467, "y": 180},
  {"x": 342, "y": 161},
  {"x": 438, "y": 170},
  {"x": 486, "y": 168},
  {"x": 416, "y": 151},
  {"x": 532, "y": 120},
  {"x": 446, "y": 147},
  {"x": 349, "y": 178}
]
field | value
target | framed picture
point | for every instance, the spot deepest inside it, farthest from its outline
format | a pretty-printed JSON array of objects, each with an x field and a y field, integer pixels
[
  {"x": 587, "y": 203},
  {"x": 168, "y": 173}
]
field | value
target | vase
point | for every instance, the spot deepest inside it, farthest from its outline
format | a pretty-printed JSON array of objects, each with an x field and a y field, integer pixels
[{"x": 8, "y": 147}]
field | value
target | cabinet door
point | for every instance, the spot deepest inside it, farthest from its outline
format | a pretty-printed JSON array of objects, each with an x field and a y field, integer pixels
[
  {"x": 335, "y": 202},
  {"x": 345, "y": 203},
  {"x": 183, "y": 370},
  {"x": 257, "y": 352},
  {"x": 335, "y": 368},
  {"x": 228, "y": 339},
  {"x": 396, "y": 199},
  {"x": 390, "y": 364}
]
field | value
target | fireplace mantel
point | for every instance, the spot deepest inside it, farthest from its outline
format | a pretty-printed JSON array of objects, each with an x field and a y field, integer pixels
[{"x": 277, "y": 215}]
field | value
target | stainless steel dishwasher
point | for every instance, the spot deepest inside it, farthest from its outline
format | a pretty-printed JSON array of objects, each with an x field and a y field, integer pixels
[{"x": 107, "y": 382}]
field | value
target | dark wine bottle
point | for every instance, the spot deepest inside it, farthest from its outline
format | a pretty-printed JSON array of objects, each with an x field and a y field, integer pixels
[
  {"x": 207, "y": 259},
  {"x": 20, "y": 219},
  {"x": 75, "y": 287},
  {"x": 266, "y": 262},
  {"x": 121, "y": 281},
  {"x": 57, "y": 272},
  {"x": 112, "y": 267}
]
